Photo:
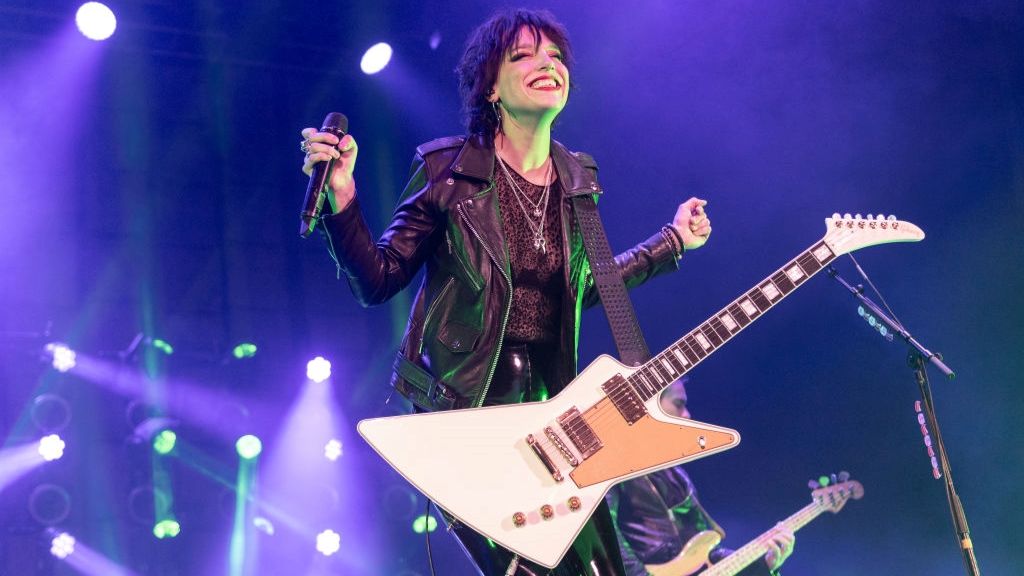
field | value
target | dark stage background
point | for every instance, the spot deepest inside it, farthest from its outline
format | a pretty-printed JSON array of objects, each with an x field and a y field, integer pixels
[{"x": 150, "y": 184}]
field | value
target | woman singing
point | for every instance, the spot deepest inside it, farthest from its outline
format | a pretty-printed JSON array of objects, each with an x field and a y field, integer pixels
[{"x": 489, "y": 216}]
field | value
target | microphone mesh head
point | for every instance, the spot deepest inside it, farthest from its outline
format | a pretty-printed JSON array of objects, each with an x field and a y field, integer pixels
[{"x": 335, "y": 123}]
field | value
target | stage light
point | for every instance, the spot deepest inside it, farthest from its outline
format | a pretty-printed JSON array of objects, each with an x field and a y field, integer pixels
[
  {"x": 328, "y": 542},
  {"x": 168, "y": 528},
  {"x": 49, "y": 504},
  {"x": 244, "y": 350},
  {"x": 249, "y": 447},
  {"x": 424, "y": 523},
  {"x": 163, "y": 346},
  {"x": 95, "y": 21},
  {"x": 376, "y": 58},
  {"x": 51, "y": 447},
  {"x": 62, "y": 545},
  {"x": 263, "y": 525},
  {"x": 163, "y": 442},
  {"x": 435, "y": 39},
  {"x": 333, "y": 450},
  {"x": 50, "y": 413},
  {"x": 318, "y": 369},
  {"x": 63, "y": 357}
]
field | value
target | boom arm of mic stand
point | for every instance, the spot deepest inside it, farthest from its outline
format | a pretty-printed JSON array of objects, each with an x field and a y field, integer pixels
[{"x": 897, "y": 328}]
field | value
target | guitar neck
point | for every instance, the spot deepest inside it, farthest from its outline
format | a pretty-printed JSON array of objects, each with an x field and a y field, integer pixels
[
  {"x": 676, "y": 360},
  {"x": 758, "y": 547}
]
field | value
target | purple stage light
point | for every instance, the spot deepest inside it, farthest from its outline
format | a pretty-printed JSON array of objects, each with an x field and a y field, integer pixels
[
  {"x": 51, "y": 447},
  {"x": 64, "y": 358},
  {"x": 318, "y": 369},
  {"x": 328, "y": 542},
  {"x": 95, "y": 21},
  {"x": 62, "y": 545},
  {"x": 376, "y": 58},
  {"x": 333, "y": 449}
]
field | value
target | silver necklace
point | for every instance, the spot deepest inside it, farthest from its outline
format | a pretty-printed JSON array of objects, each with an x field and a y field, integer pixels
[{"x": 540, "y": 207}]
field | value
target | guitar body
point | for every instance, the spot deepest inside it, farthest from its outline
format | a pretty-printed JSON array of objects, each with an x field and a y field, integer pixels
[
  {"x": 478, "y": 466},
  {"x": 694, "y": 556}
]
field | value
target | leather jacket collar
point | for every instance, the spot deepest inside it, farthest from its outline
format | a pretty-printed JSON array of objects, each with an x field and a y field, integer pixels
[{"x": 476, "y": 160}]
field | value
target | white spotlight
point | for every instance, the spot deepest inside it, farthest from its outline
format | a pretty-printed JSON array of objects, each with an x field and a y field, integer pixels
[
  {"x": 51, "y": 447},
  {"x": 318, "y": 369},
  {"x": 328, "y": 542},
  {"x": 333, "y": 449},
  {"x": 376, "y": 58},
  {"x": 62, "y": 545},
  {"x": 63, "y": 357},
  {"x": 95, "y": 21}
]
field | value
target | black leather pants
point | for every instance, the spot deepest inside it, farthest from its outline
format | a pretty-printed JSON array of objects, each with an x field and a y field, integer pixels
[{"x": 523, "y": 374}]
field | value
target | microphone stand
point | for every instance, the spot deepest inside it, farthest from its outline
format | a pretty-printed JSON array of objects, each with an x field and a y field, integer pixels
[{"x": 916, "y": 357}]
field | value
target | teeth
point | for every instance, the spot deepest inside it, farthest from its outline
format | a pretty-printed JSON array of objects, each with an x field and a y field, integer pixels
[{"x": 544, "y": 83}]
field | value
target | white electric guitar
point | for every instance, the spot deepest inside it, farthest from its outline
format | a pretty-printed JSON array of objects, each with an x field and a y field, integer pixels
[
  {"x": 694, "y": 555},
  {"x": 528, "y": 476}
]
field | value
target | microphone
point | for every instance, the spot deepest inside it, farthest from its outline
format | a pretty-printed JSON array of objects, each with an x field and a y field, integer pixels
[{"x": 336, "y": 123}]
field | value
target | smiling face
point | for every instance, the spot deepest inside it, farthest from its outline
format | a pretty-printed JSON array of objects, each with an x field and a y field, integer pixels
[{"x": 533, "y": 81}]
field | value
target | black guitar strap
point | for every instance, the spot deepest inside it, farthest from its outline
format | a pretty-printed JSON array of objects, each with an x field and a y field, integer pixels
[{"x": 629, "y": 340}]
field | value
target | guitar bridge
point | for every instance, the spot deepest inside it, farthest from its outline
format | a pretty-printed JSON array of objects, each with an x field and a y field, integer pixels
[{"x": 544, "y": 458}]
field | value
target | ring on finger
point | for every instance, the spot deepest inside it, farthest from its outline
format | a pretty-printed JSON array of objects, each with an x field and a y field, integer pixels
[{"x": 304, "y": 146}]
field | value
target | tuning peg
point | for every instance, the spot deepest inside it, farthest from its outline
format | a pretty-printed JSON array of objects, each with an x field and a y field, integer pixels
[
  {"x": 857, "y": 216},
  {"x": 891, "y": 217},
  {"x": 836, "y": 216},
  {"x": 833, "y": 479},
  {"x": 847, "y": 216},
  {"x": 844, "y": 476},
  {"x": 813, "y": 484}
]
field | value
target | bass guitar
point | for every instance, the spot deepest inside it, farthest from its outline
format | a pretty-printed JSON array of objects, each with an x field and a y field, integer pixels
[{"x": 695, "y": 553}]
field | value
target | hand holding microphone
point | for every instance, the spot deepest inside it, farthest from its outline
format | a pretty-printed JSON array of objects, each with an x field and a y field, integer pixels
[{"x": 329, "y": 162}]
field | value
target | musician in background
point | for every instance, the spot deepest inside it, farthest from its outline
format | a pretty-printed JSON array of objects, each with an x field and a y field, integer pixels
[{"x": 657, "y": 514}]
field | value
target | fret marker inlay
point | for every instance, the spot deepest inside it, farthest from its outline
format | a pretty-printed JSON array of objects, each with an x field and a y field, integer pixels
[
  {"x": 703, "y": 341},
  {"x": 770, "y": 291},
  {"x": 795, "y": 273},
  {"x": 728, "y": 322},
  {"x": 822, "y": 253},
  {"x": 749, "y": 308}
]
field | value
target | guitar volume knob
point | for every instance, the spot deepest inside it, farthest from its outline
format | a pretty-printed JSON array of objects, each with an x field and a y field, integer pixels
[
  {"x": 546, "y": 511},
  {"x": 574, "y": 503},
  {"x": 519, "y": 519}
]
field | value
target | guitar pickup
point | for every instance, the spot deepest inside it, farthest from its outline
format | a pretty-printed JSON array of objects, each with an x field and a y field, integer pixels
[
  {"x": 544, "y": 458},
  {"x": 579, "y": 432}
]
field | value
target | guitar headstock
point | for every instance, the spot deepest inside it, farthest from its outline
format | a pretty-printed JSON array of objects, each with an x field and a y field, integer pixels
[
  {"x": 847, "y": 233},
  {"x": 835, "y": 491}
]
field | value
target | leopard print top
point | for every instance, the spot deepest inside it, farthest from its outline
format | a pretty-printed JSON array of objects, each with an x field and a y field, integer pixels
[{"x": 537, "y": 277}]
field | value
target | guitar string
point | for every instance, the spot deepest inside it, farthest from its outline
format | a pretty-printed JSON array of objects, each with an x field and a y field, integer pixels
[{"x": 602, "y": 414}]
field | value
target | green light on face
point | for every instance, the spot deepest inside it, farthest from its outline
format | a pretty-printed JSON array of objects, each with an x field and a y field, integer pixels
[
  {"x": 164, "y": 442},
  {"x": 244, "y": 350},
  {"x": 163, "y": 346},
  {"x": 166, "y": 529},
  {"x": 424, "y": 523},
  {"x": 249, "y": 447}
]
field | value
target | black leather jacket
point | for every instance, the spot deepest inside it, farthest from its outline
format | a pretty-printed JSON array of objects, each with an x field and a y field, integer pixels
[{"x": 448, "y": 220}]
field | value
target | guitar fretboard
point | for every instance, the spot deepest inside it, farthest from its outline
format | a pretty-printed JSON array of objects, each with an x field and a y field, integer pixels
[
  {"x": 757, "y": 547},
  {"x": 657, "y": 373}
]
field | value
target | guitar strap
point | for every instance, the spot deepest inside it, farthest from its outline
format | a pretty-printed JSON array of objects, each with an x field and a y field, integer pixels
[{"x": 629, "y": 340}]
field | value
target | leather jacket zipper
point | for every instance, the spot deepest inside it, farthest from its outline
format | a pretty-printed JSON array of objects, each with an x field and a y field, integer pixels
[{"x": 504, "y": 318}]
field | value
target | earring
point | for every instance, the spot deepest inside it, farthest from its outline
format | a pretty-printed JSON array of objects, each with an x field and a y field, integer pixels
[{"x": 497, "y": 111}]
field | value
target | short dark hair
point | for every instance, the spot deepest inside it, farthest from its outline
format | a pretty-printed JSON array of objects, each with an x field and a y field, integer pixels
[{"x": 486, "y": 49}]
